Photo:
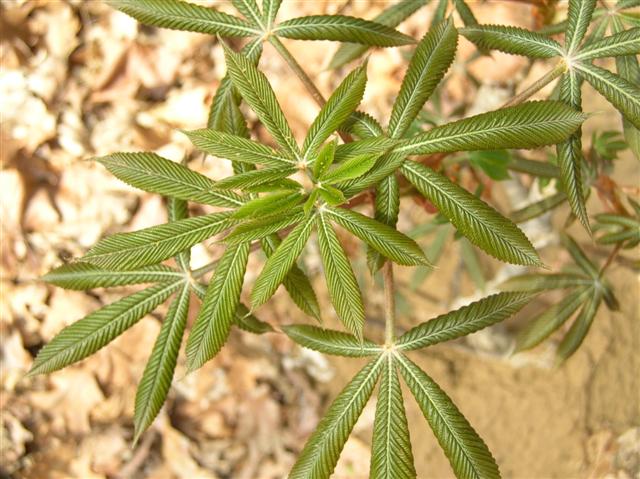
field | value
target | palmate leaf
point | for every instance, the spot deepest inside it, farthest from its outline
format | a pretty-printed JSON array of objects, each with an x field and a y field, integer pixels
[
  {"x": 618, "y": 229},
  {"x": 580, "y": 327},
  {"x": 391, "y": 17},
  {"x": 467, "y": 453},
  {"x": 321, "y": 452},
  {"x": 464, "y": 321},
  {"x": 295, "y": 282},
  {"x": 529, "y": 125},
  {"x": 578, "y": 20},
  {"x": 254, "y": 178},
  {"x": 155, "y": 174},
  {"x": 280, "y": 262},
  {"x": 387, "y": 207},
  {"x": 513, "y": 40},
  {"x": 155, "y": 244},
  {"x": 626, "y": 42},
  {"x": 479, "y": 222},
  {"x": 622, "y": 94},
  {"x": 541, "y": 327},
  {"x": 341, "y": 282},
  {"x": 212, "y": 326},
  {"x": 329, "y": 341},
  {"x": 342, "y": 102},
  {"x": 158, "y": 373},
  {"x": 542, "y": 282},
  {"x": 180, "y": 15},
  {"x": 579, "y": 257},
  {"x": 384, "y": 239},
  {"x": 236, "y": 148},
  {"x": 341, "y": 28},
  {"x": 628, "y": 68},
  {"x": 570, "y": 157},
  {"x": 391, "y": 456},
  {"x": 81, "y": 276},
  {"x": 257, "y": 92},
  {"x": 91, "y": 333},
  {"x": 429, "y": 63}
]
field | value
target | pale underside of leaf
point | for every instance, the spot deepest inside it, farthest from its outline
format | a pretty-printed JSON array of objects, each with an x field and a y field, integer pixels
[
  {"x": 158, "y": 373},
  {"x": 91, "y": 333},
  {"x": 155, "y": 244},
  {"x": 479, "y": 222},
  {"x": 341, "y": 281},
  {"x": 468, "y": 454},
  {"x": 464, "y": 321},
  {"x": 391, "y": 456},
  {"x": 212, "y": 326},
  {"x": 321, "y": 452}
]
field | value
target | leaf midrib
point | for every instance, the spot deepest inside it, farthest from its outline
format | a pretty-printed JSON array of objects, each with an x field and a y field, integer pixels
[{"x": 589, "y": 53}]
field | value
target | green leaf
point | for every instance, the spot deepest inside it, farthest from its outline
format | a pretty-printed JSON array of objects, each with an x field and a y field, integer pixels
[
  {"x": 386, "y": 165},
  {"x": 578, "y": 20},
  {"x": 429, "y": 63},
  {"x": 260, "y": 227},
  {"x": 81, "y": 276},
  {"x": 538, "y": 208},
  {"x": 580, "y": 327},
  {"x": 542, "y": 282},
  {"x": 153, "y": 173},
  {"x": 257, "y": 92},
  {"x": 212, "y": 326},
  {"x": 467, "y": 453},
  {"x": 387, "y": 207},
  {"x": 513, "y": 40},
  {"x": 350, "y": 169},
  {"x": 570, "y": 158},
  {"x": 280, "y": 262},
  {"x": 333, "y": 196},
  {"x": 529, "y": 125},
  {"x": 391, "y": 456},
  {"x": 158, "y": 373},
  {"x": 270, "y": 11},
  {"x": 341, "y": 28},
  {"x": 541, "y": 169},
  {"x": 626, "y": 42},
  {"x": 91, "y": 333},
  {"x": 384, "y": 239},
  {"x": 341, "y": 282},
  {"x": 155, "y": 244},
  {"x": 250, "y": 10},
  {"x": 272, "y": 204},
  {"x": 329, "y": 341},
  {"x": 622, "y": 94},
  {"x": 249, "y": 323},
  {"x": 321, "y": 452},
  {"x": 236, "y": 148},
  {"x": 628, "y": 68},
  {"x": 471, "y": 263},
  {"x": 479, "y": 222},
  {"x": 295, "y": 282},
  {"x": 541, "y": 327},
  {"x": 464, "y": 321},
  {"x": 493, "y": 162},
  {"x": 362, "y": 125},
  {"x": 179, "y": 15},
  {"x": 254, "y": 178},
  {"x": 179, "y": 210},
  {"x": 391, "y": 17},
  {"x": 370, "y": 145},
  {"x": 467, "y": 16},
  {"x": 325, "y": 158},
  {"x": 579, "y": 257},
  {"x": 342, "y": 102}
]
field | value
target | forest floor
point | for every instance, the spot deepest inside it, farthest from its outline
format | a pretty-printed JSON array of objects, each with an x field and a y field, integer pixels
[{"x": 78, "y": 80}]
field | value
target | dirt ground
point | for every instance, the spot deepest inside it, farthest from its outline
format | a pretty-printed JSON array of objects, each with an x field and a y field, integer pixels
[{"x": 78, "y": 80}]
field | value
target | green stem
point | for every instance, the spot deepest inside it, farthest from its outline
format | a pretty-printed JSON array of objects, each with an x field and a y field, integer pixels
[
  {"x": 297, "y": 69},
  {"x": 538, "y": 85},
  {"x": 389, "y": 303}
]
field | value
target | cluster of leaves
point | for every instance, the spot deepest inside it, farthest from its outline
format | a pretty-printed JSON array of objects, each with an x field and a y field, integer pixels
[{"x": 278, "y": 196}]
